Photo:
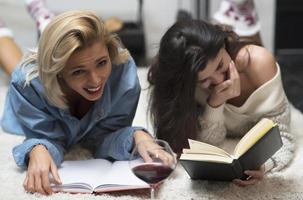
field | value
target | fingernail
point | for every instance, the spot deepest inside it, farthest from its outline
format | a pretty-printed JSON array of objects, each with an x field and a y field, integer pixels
[{"x": 247, "y": 172}]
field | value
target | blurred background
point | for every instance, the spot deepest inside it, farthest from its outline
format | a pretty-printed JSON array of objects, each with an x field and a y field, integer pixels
[{"x": 157, "y": 16}]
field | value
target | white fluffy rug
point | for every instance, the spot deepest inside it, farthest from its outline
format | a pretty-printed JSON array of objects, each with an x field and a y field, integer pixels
[{"x": 284, "y": 185}]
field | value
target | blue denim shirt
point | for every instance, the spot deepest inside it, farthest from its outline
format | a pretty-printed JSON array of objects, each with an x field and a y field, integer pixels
[{"x": 105, "y": 129}]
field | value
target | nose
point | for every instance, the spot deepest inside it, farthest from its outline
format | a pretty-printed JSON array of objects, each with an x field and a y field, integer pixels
[
  {"x": 94, "y": 79},
  {"x": 217, "y": 78}
]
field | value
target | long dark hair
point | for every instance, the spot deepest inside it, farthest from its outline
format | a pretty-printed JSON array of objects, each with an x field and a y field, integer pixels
[{"x": 184, "y": 50}]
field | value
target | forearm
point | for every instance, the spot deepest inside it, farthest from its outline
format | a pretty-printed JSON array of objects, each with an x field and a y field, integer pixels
[
  {"x": 117, "y": 145},
  {"x": 212, "y": 126},
  {"x": 284, "y": 156},
  {"x": 21, "y": 152}
]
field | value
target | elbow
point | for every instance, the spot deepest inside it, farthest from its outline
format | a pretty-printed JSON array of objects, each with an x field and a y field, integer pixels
[
  {"x": 211, "y": 138},
  {"x": 283, "y": 158}
]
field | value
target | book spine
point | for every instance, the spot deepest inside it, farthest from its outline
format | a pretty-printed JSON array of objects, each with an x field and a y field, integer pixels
[{"x": 238, "y": 170}]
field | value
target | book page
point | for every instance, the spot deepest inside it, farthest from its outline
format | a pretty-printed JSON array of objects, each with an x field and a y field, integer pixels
[
  {"x": 207, "y": 158},
  {"x": 252, "y": 136},
  {"x": 84, "y": 176},
  {"x": 80, "y": 175},
  {"x": 204, "y": 152},
  {"x": 201, "y": 147},
  {"x": 121, "y": 177}
]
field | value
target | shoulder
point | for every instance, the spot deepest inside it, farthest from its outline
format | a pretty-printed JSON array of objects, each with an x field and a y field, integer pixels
[
  {"x": 124, "y": 83},
  {"x": 128, "y": 66},
  {"x": 20, "y": 90},
  {"x": 257, "y": 63},
  {"x": 125, "y": 74},
  {"x": 18, "y": 76}
]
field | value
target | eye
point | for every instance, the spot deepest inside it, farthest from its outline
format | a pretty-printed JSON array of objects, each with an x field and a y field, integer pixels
[
  {"x": 78, "y": 72},
  {"x": 220, "y": 66},
  {"x": 202, "y": 81},
  {"x": 205, "y": 83},
  {"x": 102, "y": 63}
]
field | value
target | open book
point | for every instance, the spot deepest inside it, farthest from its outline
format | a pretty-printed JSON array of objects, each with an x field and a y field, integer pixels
[
  {"x": 205, "y": 161},
  {"x": 97, "y": 175}
]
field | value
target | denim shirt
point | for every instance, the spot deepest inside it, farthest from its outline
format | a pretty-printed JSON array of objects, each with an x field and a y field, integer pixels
[{"x": 106, "y": 128}]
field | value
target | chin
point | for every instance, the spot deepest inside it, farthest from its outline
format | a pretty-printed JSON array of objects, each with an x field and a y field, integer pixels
[{"x": 94, "y": 97}]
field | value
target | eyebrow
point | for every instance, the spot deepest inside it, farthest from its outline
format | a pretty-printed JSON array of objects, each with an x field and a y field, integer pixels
[
  {"x": 220, "y": 63},
  {"x": 100, "y": 59},
  {"x": 81, "y": 66}
]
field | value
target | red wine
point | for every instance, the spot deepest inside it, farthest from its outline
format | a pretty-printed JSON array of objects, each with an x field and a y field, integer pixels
[{"x": 152, "y": 172}]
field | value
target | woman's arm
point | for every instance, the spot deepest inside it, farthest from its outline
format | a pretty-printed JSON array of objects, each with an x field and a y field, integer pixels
[
  {"x": 212, "y": 126},
  {"x": 285, "y": 155},
  {"x": 42, "y": 151},
  {"x": 25, "y": 114},
  {"x": 212, "y": 120}
]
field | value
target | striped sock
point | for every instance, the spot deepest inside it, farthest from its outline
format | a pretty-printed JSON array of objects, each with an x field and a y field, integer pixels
[
  {"x": 239, "y": 14},
  {"x": 246, "y": 9},
  {"x": 39, "y": 12},
  {"x": 4, "y": 30}
]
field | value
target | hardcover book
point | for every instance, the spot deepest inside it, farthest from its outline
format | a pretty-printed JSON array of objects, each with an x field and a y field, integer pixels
[
  {"x": 97, "y": 176},
  {"x": 205, "y": 161}
]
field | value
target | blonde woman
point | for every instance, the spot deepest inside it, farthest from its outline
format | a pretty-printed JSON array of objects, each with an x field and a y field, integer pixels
[{"x": 79, "y": 87}]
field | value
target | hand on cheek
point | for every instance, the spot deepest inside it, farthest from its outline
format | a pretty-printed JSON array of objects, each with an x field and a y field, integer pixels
[{"x": 226, "y": 90}]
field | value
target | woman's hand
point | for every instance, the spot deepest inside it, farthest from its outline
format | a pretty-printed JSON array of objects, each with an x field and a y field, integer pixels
[
  {"x": 254, "y": 177},
  {"x": 226, "y": 90},
  {"x": 37, "y": 177},
  {"x": 139, "y": 138},
  {"x": 147, "y": 148}
]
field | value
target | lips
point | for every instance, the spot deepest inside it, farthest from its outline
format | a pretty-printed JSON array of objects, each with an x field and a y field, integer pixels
[{"x": 93, "y": 89}]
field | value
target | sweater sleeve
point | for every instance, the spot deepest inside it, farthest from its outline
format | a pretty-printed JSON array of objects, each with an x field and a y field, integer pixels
[
  {"x": 212, "y": 126},
  {"x": 284, "y": 156}
]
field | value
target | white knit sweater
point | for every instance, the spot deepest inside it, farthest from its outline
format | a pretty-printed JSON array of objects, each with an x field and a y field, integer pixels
[{"x": 269, "y": 100}]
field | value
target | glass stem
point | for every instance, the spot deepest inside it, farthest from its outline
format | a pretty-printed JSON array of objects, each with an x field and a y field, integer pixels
[{"x": 152, "y": 192}]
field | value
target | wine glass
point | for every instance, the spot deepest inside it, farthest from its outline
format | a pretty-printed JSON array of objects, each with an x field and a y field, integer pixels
[{"x": 152, "y": 161}]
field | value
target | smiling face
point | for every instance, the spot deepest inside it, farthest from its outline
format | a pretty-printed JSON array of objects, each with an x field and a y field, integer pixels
[
  {"x": 216, "y": 71},
  {"x": 86, "y": 72}
]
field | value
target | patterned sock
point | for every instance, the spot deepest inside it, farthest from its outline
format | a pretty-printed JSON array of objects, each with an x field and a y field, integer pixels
[
  {"x": 4, "y": 30},
  {"x": 40, "y": 13},
  {"x": 247, "y": 10},
  {"x": 240, "y": 14}
]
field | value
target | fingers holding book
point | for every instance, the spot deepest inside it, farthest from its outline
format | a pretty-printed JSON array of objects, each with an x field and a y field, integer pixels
[{"x": 254, "y": 176}]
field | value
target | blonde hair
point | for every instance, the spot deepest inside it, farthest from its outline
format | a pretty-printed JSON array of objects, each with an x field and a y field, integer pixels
[{"x": 66, "y": 33}]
